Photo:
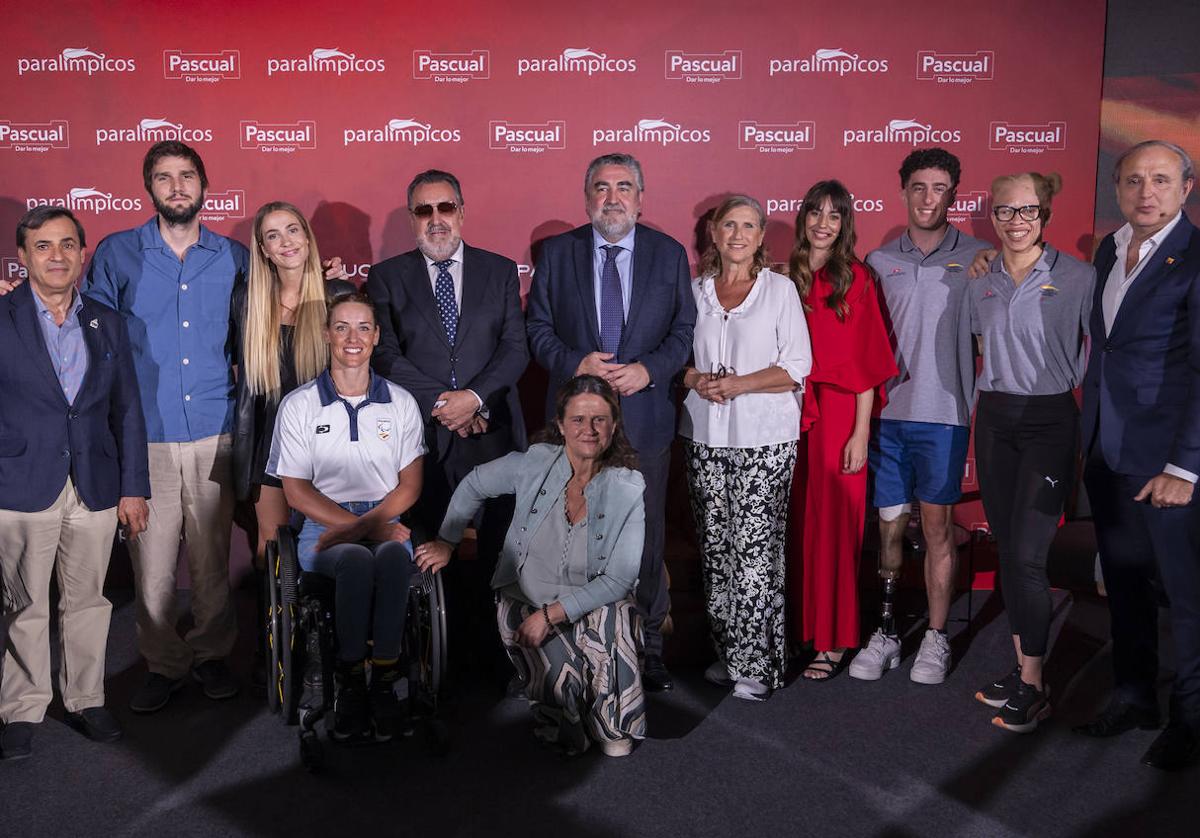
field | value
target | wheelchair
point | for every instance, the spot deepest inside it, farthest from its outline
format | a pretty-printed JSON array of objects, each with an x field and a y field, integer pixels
[{"x": 300, "y": 644}]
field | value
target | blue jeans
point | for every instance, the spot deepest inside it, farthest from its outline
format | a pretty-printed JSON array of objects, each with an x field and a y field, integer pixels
[{"x": 371, "y": 587}]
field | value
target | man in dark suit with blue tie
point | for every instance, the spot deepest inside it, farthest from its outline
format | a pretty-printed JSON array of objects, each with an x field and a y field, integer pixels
[
  {"x": 613, "y": 299},
  {"x": 1141, "y": 427},
  {"x": 72, "y": 464},
  {"x": 452, "y": 334}
]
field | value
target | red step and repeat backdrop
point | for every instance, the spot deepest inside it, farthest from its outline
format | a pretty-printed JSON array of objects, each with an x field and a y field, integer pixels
[{"x": 335, "y": 107}]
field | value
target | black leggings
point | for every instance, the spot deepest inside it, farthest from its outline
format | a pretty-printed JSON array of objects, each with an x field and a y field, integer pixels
[{"x": 1025, "y": 452}]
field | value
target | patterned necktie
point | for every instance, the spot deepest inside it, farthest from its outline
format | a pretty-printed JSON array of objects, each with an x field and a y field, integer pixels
[
  {"x": 612, "y": 308},
  {"x": 447, "y": 307}
]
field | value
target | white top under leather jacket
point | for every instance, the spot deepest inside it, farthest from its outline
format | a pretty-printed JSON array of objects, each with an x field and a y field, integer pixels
[{"x": 615, "y": 527}]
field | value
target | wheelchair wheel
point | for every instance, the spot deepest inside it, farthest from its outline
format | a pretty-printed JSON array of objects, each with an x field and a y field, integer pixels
[
  {"x": 427, "y": 640},
  {"x": 272, "y": 627},
  {"x": 287, "y": 570}
]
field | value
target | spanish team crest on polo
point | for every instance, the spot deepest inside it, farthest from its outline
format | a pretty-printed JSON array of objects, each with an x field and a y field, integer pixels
[{"x": 384, "y": 428}]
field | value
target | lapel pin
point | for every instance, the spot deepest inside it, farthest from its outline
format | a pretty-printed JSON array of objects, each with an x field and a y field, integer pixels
[
  {"x": 1170, "y": 260},
  {"x": 95, "y": 324}
]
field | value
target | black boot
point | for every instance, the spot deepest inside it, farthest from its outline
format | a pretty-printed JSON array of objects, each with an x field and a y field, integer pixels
[
  {"x": 386, "y": 714},
  {"x": 350, "y": 706}
]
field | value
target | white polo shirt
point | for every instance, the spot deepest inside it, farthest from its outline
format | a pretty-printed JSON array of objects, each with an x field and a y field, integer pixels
[{"x": 349, "y": 452}]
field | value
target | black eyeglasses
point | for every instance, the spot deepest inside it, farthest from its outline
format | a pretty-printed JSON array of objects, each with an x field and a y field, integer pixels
[
  {"x": 720, "y": 371},
  {"x": 426, "y": 210},
  {"x": 1029, "y": 212}
]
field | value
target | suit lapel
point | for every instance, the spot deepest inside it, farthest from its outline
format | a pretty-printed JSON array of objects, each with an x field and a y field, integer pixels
[
  {"x": 24, "y": 316},
  {"x": 474, "y": 287},
  {"x": 1103, "y": 263},
  {"x": 94, "y": 342},
  {"x": 643, "y": 259},
  {"x": 1166, "y": 258},
  {"x": 420, "y": 291},
  {"x": 585, "y": 277}
]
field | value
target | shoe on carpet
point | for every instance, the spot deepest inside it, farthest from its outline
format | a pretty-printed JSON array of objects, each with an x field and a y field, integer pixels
[
  {"x": 1118, "y": 718},
  {"x": 824, "y": 666},
  {"x": 655, "y": 675},
  {"x": 622, "y": 747},
  {"x": 154, "y": 693},
  {"x": 881, "y": 653},
  {"x": 351, "y": 706},
  {"x": 933, "y": 659},
  {"x": 1000, "y": 690},
  {"x": 718, "y": 673},
  {"x": 748, "y": 689},
  {"x": 96, "y": 723},
  {"x": 1024, "y": 709},
  {"x": 385, "y": 708},
  {"x": 1176, "y": 748},
  {"x": 215, "y": 679},
  {"x": 16, "y": 740}
]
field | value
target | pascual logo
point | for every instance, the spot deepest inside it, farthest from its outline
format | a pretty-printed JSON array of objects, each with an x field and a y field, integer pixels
[
  {"x": 576, "y": 60},
  {"x": 528, "y": 137},
  {"x": 836, "y": 61},
  {"x": 35, "y": 136},
  {"x": 968, "y": 206},
  {"x": 88, "y": 199},
  {"x": 778, "y": 138},
  {"x": 76, "y": 60},
  {"x": 1027, "y": 139},
  {"x": 955, "y": 68},
  {"x": 703, "y": 68},
  {"x": 656, "y": 131},
  {"x": 284, "y": 137},
  {"x": 12, "y": 270},
  {"x": 219, "y": 206},
  {"x": 408, "y": 131},
  {"x": 791, "y": 206},
  {"x": 205, "y": 67},
  {"x": 902, "y": 132},
  {"x": 154, "y": 131},
  {"x": 454, "y": 67},
  {"x": 326, "y": 61}
]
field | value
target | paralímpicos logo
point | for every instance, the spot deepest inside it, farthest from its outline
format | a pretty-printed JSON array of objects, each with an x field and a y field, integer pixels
[
  {"x": 404, "y": 131},
  {"x": 332, "y": 61},
  {"x": 909, "y": 132},
  {"x": 88, "y": 199},
  {"x": 652, "y": 131},
  {"x": 154, "y": 130},
  {"x": 837, "y": 62},
  {"x": 577, "y": 61},
  {"x": 77, "y": 60}
]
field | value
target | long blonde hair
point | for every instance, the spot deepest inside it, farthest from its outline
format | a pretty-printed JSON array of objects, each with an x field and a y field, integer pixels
[{"x": 261, "y": 346}]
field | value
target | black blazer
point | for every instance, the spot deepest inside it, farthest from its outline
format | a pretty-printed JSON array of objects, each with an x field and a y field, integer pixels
[
  {"x": 563, "y": 326},
  {"x": 489, "y": 353},
  {"x": 1141, "y": 393},
  {"x": 100, "y": 439}
]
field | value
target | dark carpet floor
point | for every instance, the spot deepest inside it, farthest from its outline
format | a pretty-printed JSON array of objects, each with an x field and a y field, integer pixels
[{"x": 890, "y": 758}]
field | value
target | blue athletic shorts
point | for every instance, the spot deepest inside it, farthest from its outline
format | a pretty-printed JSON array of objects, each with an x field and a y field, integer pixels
[{"x": 921, "y": 461}]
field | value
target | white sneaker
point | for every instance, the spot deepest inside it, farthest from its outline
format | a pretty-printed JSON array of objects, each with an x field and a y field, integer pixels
[
  {"x": 933, "y": 659},
  {"x": 881, "y": 653},
  {"x": 747, "y": 689},
  {"x": 718, "y": 673},
  {"x": 622, "y": 747}
]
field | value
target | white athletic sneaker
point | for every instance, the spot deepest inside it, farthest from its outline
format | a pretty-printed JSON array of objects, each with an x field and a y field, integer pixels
[
  {"x": 622, "y": 747},
  {"x": 933, "y": 659},
  {"x": 718, "y": 673},
  {"x": 881, "y": 653},
  {"x": 749, "y": 689}
]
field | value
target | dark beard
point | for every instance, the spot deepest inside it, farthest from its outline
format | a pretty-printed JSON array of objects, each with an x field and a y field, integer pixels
[{"x": 178, "y": 216}]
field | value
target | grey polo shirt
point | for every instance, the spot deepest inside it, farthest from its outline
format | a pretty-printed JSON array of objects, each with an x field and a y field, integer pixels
[
  {"x": 1033, "y": 333},
  {"x": 924, "y": 294}
]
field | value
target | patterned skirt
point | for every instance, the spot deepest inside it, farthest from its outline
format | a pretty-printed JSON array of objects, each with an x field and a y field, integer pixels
[{"x": 584, "y": 682}]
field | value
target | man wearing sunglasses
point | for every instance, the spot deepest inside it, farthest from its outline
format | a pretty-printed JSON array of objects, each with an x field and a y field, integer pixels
[
  {"x": 452, "y": 334},
  {"x": 613, "y": 299}
]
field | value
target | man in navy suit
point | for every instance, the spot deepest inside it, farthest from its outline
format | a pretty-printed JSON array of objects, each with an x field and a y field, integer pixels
[
  {"x": 72, "y": 464},
  {"x": 452, "y": 334},
  {"x": 1141, "y": 427},
  {"x": 613, "y": 299}
]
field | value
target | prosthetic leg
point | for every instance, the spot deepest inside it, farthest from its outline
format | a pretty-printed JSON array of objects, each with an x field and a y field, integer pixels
[{"x": 882, "y": 652}]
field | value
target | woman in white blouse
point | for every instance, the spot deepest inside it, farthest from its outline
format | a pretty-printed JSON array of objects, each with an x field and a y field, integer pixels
[{"x": 741, "y": 421}]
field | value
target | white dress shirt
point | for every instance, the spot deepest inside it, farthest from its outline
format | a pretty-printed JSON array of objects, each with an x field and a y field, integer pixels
[
  {"x": 455, "y": 274},
  {"x": 1118, "y": 285}
]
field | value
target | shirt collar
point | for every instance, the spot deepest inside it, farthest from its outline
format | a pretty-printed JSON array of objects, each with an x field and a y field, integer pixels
[
  {"x": 1124, "y": 236},
  {"x": 950, "y": 240},
  {"x": 150, "y": 237},
  {"x": 377, "y": 390},
  {"x": 72, "y": 312},
  {"x": 1045, "y": 262},
  {"x": 598, "y": 241},
  {"x": 457, "y": 256}
]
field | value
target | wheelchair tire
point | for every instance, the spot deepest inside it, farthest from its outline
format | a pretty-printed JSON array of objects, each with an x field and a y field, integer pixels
[
  {"x": 287, "y": 575},
  {"x": 271, "y": 625},
  {"x": 438, "y": 662}
]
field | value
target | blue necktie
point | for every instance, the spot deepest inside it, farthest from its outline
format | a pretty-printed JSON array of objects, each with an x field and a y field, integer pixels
[
  {"x": 612, "y": 308},
  {"x": 447, "y": 307}
]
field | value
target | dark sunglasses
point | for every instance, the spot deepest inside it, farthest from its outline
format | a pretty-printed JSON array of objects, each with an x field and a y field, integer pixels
[{"x": 426, "y": 210}]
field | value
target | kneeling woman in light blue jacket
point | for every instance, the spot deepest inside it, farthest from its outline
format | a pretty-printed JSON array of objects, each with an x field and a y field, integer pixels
[{"x": 565, "y": 577}]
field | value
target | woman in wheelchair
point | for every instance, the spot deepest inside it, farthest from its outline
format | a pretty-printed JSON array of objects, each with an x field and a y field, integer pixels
[
  {"x": 348, "y": 448},
  {"x": 564, "y": 579}
]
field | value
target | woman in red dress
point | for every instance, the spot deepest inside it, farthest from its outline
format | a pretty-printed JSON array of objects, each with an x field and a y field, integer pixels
[{"x": 851, "y": 359}]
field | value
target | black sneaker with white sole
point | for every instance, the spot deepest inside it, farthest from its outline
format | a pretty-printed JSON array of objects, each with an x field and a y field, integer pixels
[
  {"x": 1000, "y": 690},
  {"x": 1024, "y": 709}
]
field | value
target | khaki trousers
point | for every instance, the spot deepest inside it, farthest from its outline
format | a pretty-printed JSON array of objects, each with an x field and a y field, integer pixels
[
  {"x": 74, "y": 543},
  {"x": 191, "y": 487}
]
